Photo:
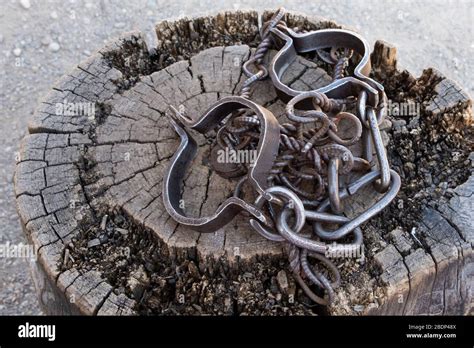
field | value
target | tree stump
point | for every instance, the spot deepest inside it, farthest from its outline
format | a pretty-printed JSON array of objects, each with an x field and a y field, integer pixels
[{"x": 89, "y": 183}]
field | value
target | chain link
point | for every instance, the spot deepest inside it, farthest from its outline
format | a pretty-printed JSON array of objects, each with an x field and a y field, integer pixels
[
  {"x": 318, "y": 155},
  {"x": 304, "y": 183}
]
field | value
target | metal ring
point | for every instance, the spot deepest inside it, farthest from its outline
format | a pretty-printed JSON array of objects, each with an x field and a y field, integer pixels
[
  {"x": 294, "y": 238},
  {"x": 326, "y": 56},
  {"x": 296, "y": 205},
  {"x": 309, "y": 116},
  {"x": 383, "y": 184},
  {"x": 367, "y": 214},
  {"x": 362, "y": 108},
  {"x": 358, "y": 129},
  {"x": 322, "y": 217}
]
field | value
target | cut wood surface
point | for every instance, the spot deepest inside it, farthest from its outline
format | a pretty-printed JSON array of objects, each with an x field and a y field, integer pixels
[{"x": 86, "y": 182}]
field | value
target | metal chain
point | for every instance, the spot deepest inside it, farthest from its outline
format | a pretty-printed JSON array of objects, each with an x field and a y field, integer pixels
[
  {"x": 305, "y": 179},
  {"x": 324, "y": 151},
  {"x": 260, "y": 52}
]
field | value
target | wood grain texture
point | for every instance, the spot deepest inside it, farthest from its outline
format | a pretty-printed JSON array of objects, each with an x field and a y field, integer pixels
[{"x": 74, "y": 169}]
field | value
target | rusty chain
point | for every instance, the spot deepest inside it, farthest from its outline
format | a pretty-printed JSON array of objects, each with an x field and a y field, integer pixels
[{"x": 303, "y": 194}]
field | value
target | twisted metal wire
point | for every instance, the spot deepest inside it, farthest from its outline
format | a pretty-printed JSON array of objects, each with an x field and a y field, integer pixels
[
  {"x": 342, "y": 64},
  {"x": 320, "y": 148},
  {"x": 260, "y": 52}
]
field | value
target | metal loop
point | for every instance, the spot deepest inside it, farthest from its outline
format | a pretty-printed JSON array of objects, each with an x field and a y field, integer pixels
[
  {"x": 383, "y": 184},
  {"x": 366, "y": 215},
  {"x": 292, "y": 202},
  {"x": 319, "y": 101},
  {"x": 295, "y": 158},
  {"x": 307, "y": 116},
  {"x": 317, "y": 278},
  {"x": 342, "y": 153},
  {"x": 304, "y": 254},
  {"x": 333, "y": 185},
  {"x": 326, "y": 56},
  {"x": 273, "y": 22},
  {"x": 357, "y": 126},
  {"x": 293, "y": 237},
  {"x": 362, "y": 108}
]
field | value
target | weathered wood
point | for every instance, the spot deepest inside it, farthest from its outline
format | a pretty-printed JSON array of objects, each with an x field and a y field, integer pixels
[
  {"x": 74, "y": 170},
  {"x": 427, "y": 270},
  {"x": 384, "y": 57},
  {"x": 134, "y": 143}
]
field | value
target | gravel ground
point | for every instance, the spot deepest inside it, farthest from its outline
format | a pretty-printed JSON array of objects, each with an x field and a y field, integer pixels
[{"x": 42, "y": 40}]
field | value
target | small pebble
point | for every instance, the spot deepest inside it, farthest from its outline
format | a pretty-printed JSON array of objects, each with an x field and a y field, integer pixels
[
  {"x": 25, "y": 4},
  {"x": 94, "y": 242},
  {"x": 54, "y": 46},
  {"x": 398, "y": 124},
  {"x": 54, "y": 15},
  {"x": 46, "y": 40},
  {"x": 193, "y": 270},
  {"x": 103, "y": 223},
  {"x": 17, "y": 52},
  {"x": 471, "y": 157},
  {"x": 66, "y": 257},
  {"x": 282, "y": 280},
  {"x": 122, "y": 231},
  {"x": 428, "y": 179},
  {"x": 103, "y": 238}
]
